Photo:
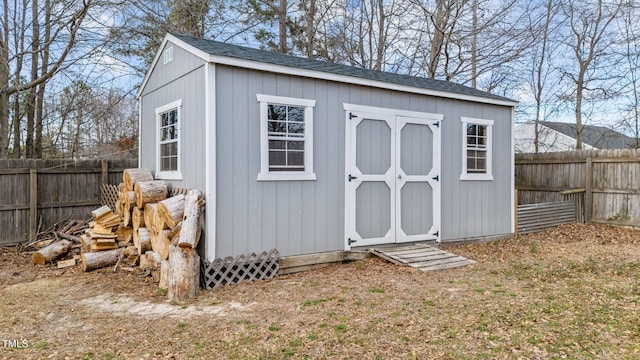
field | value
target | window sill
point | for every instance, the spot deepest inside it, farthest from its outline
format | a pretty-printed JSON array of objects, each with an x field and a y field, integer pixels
[
  {"x": 168, "y": 175},
  {"x": 479, "y": 177},
  {"x": 286, "y": 176}
]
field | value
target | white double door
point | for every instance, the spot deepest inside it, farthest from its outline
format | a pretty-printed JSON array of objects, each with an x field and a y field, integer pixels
[{"x": 392, "y": 191}]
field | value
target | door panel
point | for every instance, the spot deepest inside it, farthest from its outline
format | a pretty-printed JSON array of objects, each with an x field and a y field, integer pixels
[{"x": 392, "y": 191}]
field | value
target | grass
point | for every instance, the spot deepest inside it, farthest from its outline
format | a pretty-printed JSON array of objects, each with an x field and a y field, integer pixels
[{"x": 568, "y": 298}]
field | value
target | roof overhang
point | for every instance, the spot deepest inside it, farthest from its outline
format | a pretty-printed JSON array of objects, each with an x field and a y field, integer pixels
[{"x": 313, "y": 74}]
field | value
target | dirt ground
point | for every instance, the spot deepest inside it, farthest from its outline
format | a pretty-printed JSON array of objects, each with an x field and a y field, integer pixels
[{"x": 569, "y": 292}]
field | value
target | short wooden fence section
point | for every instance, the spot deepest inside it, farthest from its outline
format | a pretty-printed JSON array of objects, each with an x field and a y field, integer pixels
[
  {"x": 537, "y": 217},
  {"x": 421, "y": 256}
]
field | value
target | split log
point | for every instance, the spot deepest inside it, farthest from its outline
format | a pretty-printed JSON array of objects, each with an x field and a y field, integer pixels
[
  {"x": 85, "y": 241},
  {"x": 126, "y": 217},
  {"x": 161, "y": 242},
  {"x": 158, "y": 221},
  {"x": 153, "y": 265},
  {"x": 129, "y": 200},
  {"x": 136, "y": 218},
  {"x": 51, "y": 252},
  {"x": 96, "y": 260},
  {"x": 164, "y": 275},
  {"x": 68, "y": 237},
  {"x": 124, "y": 234},
  {"x": 132, "y": 176},
  {"x": 101, "y": 212},
  {"x": 150, "y": 192},
  {"x": 119, "y": 208},
  {"x": 149, "y": 213},
  {"x": 171, "y": 210},
  {"x": 142, "y": 240},
  {"x": 184, "y": 274},
  {"x": 189, "y": 232}
]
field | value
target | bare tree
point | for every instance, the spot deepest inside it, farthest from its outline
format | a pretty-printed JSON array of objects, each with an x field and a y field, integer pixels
[
  {"x": 590, "y": 41},
  {"x": 630, "y": 108},
  {"x": 67, "y": 21}
]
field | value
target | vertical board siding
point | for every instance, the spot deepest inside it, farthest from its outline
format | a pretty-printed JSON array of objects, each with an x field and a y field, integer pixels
[
  {"x": 614, "y": 178},
  {"x": 65, "y": 189},
  {"x": 298, "y": 217}
]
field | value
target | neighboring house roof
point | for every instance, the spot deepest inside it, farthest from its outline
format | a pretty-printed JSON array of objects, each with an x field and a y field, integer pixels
[
  {"x": 599, "y": 137},
  {"x": 248, "y": 57}
]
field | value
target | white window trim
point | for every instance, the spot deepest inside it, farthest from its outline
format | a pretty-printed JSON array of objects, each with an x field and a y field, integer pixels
[
  {"x": 168, "y": 175},
  {"x": 265, "y": 174},
  {"x": 489, "y": 124}
]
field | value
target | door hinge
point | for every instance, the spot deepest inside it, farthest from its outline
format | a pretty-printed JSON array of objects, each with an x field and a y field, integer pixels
[
  {"x": 351, "y": 241},
  {"x": 352, "y": 116},
  {"x": 436, "y": 124},
  {"x": 352, "y": 177},
  {"x": 436, "y": 234},
  {"x": 436, "y": 178}
]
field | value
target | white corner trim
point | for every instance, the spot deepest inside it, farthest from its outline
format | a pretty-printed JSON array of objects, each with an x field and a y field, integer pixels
[
  {"x": 513, "y": 172},
  {"x": 210, "y": 161}
]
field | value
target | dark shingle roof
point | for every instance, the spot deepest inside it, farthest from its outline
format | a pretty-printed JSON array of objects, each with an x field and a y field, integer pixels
[
  {"x": 223, "y": 49},
  {"x": 597, "y": 136}
]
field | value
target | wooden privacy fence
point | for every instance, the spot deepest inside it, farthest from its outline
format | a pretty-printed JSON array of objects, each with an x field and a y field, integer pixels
[
  {"x": 38, "y": 193},
  {"x": 606, "y": 183}
]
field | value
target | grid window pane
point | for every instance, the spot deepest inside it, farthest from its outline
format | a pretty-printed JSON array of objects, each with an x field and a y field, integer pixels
[
  {"x": 286, "y": 131},
  {"x": 169, "y": 140}
]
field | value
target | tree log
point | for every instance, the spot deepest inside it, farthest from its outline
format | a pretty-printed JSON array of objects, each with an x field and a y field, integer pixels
[
  {"x": 149, "y": 213},
  {"x": 119, "y": 208},
  {"x": 124, "y": 234},
  {"x": 158, "y": 221},
  {"x": 129, "y": 200},
  {"x": 51, "y": 252},
  {"x": 189, "y": 233},
  {"x": 153, "y": 265},
  {"x": 184, "y": 274},
  {"x": 136, "y": 218},
  {"x": 172, "y": 210},
  {"x": 161, "y": 243},
  {"x": 142, "y": 240},
  {"x": 132, "y": 176},
  {"x": 126, "y": 217},
  {"x": 150, "y": 192},
  {"x": 96, "y": 260},
  {"x": 164, "y": 275},
  {"x": 101, "y": 212}
]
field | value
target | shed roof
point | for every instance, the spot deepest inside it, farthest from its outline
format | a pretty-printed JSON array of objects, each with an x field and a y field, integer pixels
[
  {"x": 344, "y": 72},
  {"x": 599, "y": 137}
]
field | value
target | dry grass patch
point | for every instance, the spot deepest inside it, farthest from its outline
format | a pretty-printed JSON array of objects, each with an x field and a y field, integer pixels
[{"x": 571, "y": 291}]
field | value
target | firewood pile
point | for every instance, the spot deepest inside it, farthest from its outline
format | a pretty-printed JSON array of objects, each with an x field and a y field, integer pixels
[{"x": 147, "y": 228}]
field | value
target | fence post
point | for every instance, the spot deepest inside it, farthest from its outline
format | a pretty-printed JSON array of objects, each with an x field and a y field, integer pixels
[
  {"x": 33, "y": 202},
  {"x": 105, "y": 172},
  {"x": 588, "y": 192}
]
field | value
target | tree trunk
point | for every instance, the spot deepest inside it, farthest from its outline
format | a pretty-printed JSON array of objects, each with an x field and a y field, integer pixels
[
  {"x": 51, "y": 252},
  {"x": 132, "y": 176},
  {"x": 142, "y": 240},
  {"x": 96, "y": 260},
  {"x": 4, "y": 81},
  {"x": 171, "y": 210},
  {"x": 189, "y": 232},
  {"x": 184, "y": 274},
  {"x": 150, "y": 192},
  {"x": 282, "y": 27}
]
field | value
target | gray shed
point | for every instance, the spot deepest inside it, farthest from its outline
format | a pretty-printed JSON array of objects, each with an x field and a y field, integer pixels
[{"x": 308, "y": 157}]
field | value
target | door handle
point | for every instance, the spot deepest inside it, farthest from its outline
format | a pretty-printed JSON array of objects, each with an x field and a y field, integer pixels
[
  {"x": 352, "y": 177},
  {"x": 399, "y": 176}
]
